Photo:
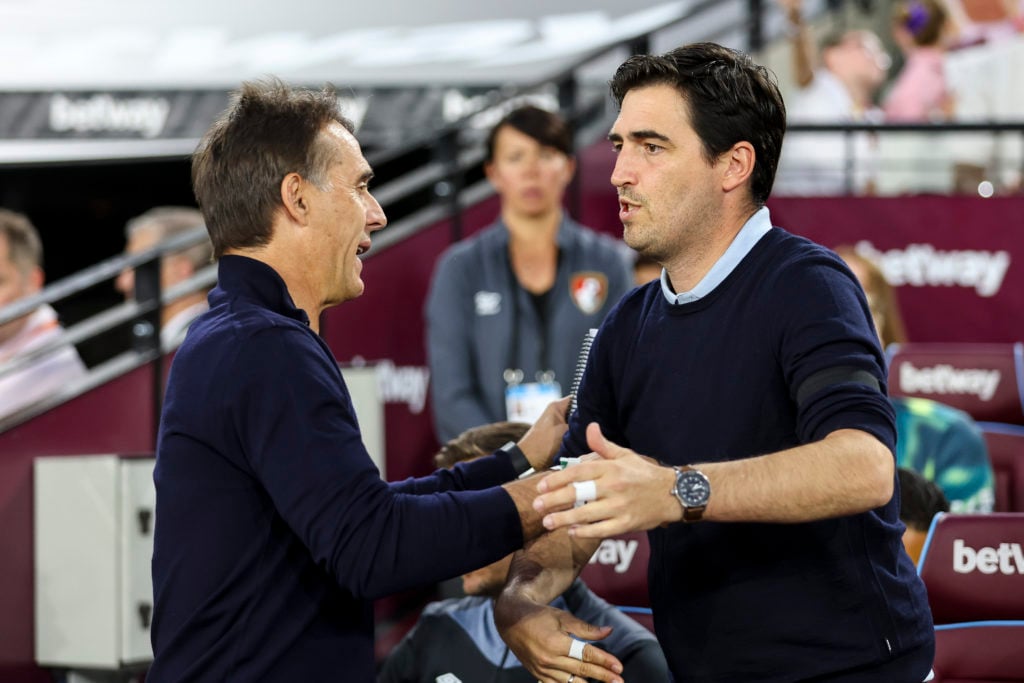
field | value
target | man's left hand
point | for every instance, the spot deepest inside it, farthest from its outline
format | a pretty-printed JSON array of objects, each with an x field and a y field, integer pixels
[{"x": 631, "y": 492}]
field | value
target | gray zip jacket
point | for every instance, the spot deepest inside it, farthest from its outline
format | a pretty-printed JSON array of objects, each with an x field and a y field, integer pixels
[{"x": 480, "y": 321}]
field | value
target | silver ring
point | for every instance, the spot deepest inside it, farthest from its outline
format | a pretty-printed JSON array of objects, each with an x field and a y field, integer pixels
[
  {"x": 572, "y": 677},
  {"x": 586, "y": 491},
  {"x": 576, "y": 648}
]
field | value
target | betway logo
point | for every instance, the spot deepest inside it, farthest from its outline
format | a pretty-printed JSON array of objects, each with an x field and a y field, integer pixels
[
  {"x": 407, "y": 384},
  {"x": 922, "y": 265},
  {"x": 143, "y": 115},
  {"x": 615, "y": 552},
  {"x": 1006, "y": 559},
  {"x": 945, "y": 379}
]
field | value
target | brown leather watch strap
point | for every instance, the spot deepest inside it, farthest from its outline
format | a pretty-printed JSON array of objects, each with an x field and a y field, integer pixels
[{"x": 691, "y": 514}]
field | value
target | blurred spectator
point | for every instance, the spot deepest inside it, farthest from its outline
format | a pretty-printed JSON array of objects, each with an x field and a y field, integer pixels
[
  {"x": 645, "y": 269},
  {"x": 920, "y": 94},
  {"x": 920, "y": 501},
  {"x": 885, "y": 309},
  {"x": 21, "y": 275},
  {"x": 984, "y": 21},
  {"x": 936, "y": 440},
  {"x": 984, "y": 70},
  {"x": 146, "y": 232},
  {"x": 456, "y": 640},
  {"x": 841, "y": 90},
  {"x": 509, "y": 307}
]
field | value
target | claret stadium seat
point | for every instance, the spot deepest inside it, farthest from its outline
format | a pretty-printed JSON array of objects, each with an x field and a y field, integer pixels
[
  {"x": 618, "y": 573},
  {"x": 1006, "y": 451},
  {"x": 986, "y": 381},
  {"x": 973, "y": 568}
]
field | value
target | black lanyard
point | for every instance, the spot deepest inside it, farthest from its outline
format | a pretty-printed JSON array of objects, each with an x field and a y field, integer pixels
[{"x": 514, "y": 374}]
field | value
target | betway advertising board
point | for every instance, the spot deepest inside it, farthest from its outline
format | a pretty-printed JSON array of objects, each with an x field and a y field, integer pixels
[{"x": 957, "y": 262}]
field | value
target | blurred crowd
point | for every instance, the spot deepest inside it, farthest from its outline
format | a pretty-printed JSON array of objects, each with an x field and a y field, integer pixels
[{"x": 940, "y": 61}]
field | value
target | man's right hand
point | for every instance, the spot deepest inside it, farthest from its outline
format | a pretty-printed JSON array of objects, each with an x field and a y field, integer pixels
[
  {"x": 542, "y": 441},
  {"x": 541, "y": 637}
]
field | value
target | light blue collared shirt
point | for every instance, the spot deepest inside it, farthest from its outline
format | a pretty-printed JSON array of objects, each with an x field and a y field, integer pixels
[{"x": 756, "y": 227}]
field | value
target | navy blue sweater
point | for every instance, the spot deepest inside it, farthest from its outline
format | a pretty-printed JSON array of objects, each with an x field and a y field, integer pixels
[
  {"x": 716, "y": 380},
  {"x": 273, "y": 527}
]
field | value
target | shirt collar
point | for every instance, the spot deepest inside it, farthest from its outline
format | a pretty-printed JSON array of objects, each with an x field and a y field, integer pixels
[
  {"x": 756, "y": 227},
  {"x": 241, "y": 276}
]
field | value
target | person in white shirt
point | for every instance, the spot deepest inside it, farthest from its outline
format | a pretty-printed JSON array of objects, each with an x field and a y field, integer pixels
[
  {"x": 21, "y": 275},
  {"x": 146, "y": 232},
  {"x": 853, "y": 66}
]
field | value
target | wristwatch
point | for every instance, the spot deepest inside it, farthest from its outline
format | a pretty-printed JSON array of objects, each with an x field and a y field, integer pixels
[
  {"x": 693, "y": 490},
  {"x": 520, "y": 463}
]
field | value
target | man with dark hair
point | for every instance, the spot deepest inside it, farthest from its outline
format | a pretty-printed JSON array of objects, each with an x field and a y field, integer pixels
[
  {"x": 274, "y": 530},
  {"x": 509, "y": 306},
  {"x": 145, "y": 232},
  {"x": 21, "y": 275},
  {"x": 920, "y": 501},
  {"x": 457, "y": 638},
  {"x": 752, "y": 382}
]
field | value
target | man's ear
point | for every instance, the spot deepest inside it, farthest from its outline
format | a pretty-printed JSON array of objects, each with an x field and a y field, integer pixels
[
  {"x": 34, "y": 280},
  {"x": 180, "y": 267},
  {"x": 739, "y": 165},
  {"x": 294, "y": 199}
]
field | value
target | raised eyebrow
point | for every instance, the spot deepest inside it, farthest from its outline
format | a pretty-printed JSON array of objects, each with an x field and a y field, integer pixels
[
  {"x": 648, "y": 135},
  {"x": 638, "y": 135},
  {"x": 366, "y": 177}
]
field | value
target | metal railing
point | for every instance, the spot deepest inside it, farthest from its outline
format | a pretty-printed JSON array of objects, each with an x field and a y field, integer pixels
[
  {"x": 1001, "y": 160},
  {"x": 143, "y": 312},
  {"x": 438, "y": 174}
]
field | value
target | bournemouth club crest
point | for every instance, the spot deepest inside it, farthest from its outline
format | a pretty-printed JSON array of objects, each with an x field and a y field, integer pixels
[{"x": 589, "y": 290}]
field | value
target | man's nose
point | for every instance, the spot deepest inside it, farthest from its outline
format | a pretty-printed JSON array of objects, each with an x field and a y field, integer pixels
[
  {"x": 622, "y": 173},
  {"x": 375, "y": 218}
]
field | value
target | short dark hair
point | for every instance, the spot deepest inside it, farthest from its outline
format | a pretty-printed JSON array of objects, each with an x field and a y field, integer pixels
[
  {"x": 24, "y": 248},
  {"x": 479, "y": 441},
  {"x": 546, "y": 127},
  {"x": 729, "y": 99},
  {"x": 268, "y": 131},
  {"x": 920, "y": 499}
]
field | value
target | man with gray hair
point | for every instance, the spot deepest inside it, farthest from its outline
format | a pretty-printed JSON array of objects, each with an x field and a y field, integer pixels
[
  {"x": 145, "y": 232},
  {"x": 21, "y": 275},
  {"x": 274, "y": 530}
]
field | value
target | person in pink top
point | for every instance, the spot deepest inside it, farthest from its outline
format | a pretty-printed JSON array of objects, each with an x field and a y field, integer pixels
[{"x": 920, "y": 93}]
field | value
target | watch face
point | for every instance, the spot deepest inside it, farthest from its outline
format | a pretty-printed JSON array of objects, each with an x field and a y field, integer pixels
[{"x": 693, "y": 488}]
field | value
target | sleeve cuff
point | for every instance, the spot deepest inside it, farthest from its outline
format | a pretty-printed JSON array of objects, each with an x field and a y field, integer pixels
[{"x": 517, "y": 458}]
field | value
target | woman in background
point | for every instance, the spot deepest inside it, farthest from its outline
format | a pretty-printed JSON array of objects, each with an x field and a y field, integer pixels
[
  {"x": 920, "y": 93},
  {"x": 508, "y": 308}
]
